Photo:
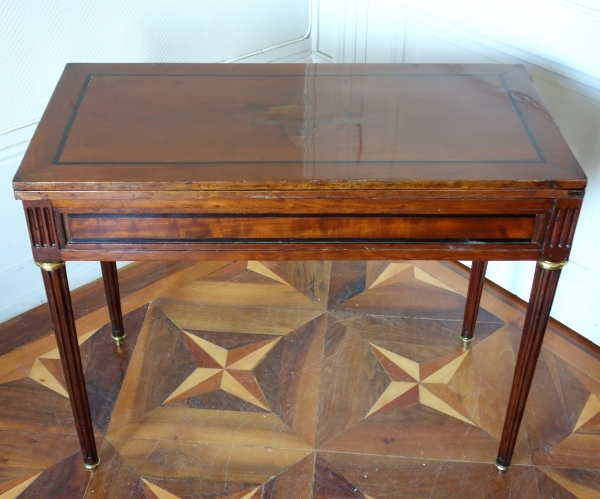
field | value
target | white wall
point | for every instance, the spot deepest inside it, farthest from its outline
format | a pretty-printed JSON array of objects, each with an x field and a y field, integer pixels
[
  {"x": 559, "y": 43},
  {"x": 37, "y": 38}
]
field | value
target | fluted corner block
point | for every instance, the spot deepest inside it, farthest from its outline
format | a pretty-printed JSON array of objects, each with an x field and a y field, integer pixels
[{"x": 561, "y": 230}]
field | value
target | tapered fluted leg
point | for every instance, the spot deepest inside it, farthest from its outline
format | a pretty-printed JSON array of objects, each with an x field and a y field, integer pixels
[
  {"x": 536, "y": 320},
  {"x": 476, "y": 281},
  {"x": 59, "y": 300},
  {"x": 113, "y": 298}
]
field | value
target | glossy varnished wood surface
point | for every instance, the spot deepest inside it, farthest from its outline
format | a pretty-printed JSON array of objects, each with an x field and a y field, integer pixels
[
  {"x": 297, "y": 380},
  {"x": 476, "y": 281},
  {"x": 223, "y": 127},
  {"x": 113, "y": 297},
  {"x": 298, "y": 162},
  {"x": 203, "y": 228},
  {"x": 59, "y": 300}
]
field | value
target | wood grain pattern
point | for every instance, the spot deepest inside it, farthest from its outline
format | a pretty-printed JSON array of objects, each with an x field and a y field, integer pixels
[
  {"x": 467, "y": 115},
  {"x": 198, "y": 132},
  {"x": 473, "y": 298},
  {"x": 542, "y": 295},
  {"x": 322, "y": 433},
  {"x": 59, "y": 300},
  {"x": 13, "y": 488},
  {"x": 64, "y": 480},
  {"x": 113, "y": 297},
  {"x": 383, "y": 477},
  {"x": 115, "y": 478},
  {"x": 449, "y": 177},
  {"x": 204, "y": 227}
]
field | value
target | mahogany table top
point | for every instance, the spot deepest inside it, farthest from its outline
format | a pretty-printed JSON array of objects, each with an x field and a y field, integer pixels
[{"x": 131, "y": 127}]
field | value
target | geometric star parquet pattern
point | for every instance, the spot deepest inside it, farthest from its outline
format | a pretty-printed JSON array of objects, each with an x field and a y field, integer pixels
[{"x": 252, "y": 380}]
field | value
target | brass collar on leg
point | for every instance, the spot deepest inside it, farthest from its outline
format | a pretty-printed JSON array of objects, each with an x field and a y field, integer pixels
[
  {"x": 552, "y": 265},
  {"x": 49, "y": 267}
]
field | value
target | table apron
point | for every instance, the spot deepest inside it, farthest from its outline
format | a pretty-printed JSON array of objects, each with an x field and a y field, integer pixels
[
  {"x": 198, "y": 228},
  {"x": 286, "y": 237},
  {"x": 445, "y": 230}
]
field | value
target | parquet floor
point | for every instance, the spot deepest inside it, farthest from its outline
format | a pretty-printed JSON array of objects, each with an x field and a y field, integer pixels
[{"x": 305, "y": 380}]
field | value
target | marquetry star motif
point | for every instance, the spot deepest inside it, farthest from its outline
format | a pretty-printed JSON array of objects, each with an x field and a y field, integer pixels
[
  {"x": 263, "y": 270},
  {"x": 398, "y": 272},
  {"x": 577, "y": 489},
  {"x": 297, "y": 117},
  {"x": 228, "y": 370},
  {"x": 14, "y": 488},
  {"x": 161, "y": 493},
  {"x": 590, "y": 415},
  {"x": 47, "y": 369},
  {"x": 409, "y": 384},
  {"x": 245, "y": 494}
]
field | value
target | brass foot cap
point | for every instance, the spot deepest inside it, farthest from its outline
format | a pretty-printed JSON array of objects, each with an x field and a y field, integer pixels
[
  {"x": 502, "y": 468},
  {"x": 92, "y": 467},
  {"x": 118, "y": 339},
  {"x": 466, "y": 341}
]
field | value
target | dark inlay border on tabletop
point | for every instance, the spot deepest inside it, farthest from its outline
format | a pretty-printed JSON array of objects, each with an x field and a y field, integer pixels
[{"x": 64, "y": 138}]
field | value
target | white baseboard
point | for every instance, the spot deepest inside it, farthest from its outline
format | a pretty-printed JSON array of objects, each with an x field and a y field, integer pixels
[
  {"x": 297, "y": 52},
  {"x": 321, "y": 58}
]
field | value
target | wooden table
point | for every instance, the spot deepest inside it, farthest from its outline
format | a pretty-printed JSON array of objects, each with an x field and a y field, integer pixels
[{"x": 299, "y": 162}]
